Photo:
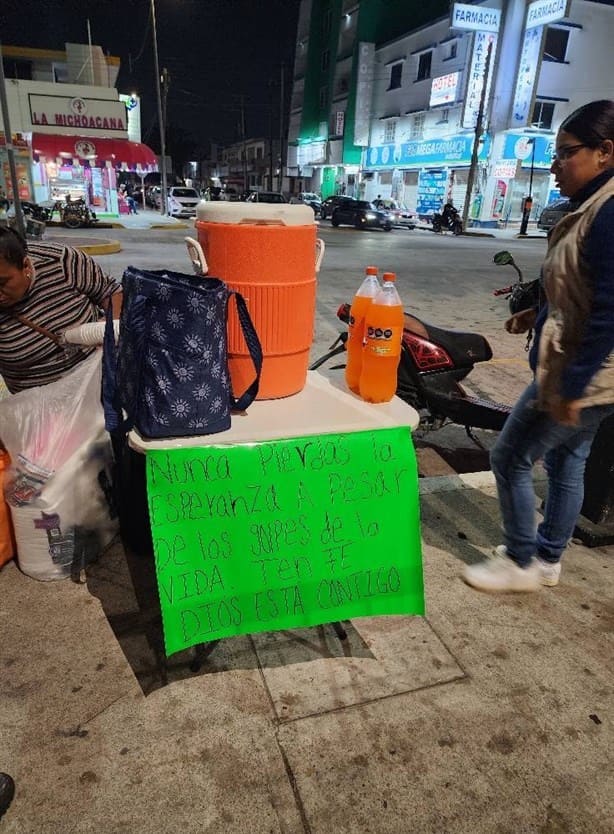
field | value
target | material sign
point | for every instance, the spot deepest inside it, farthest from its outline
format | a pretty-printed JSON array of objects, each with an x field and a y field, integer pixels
[
  {"x": 475, "y": 80},
  {"x": 284, "y": 534}
]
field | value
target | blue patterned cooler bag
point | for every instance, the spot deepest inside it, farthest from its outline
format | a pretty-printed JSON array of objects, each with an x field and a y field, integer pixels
[{"x": 168, "y": 375}]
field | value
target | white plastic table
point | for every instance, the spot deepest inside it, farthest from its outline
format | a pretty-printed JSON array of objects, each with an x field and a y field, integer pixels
[{"x": 322, "y": 407}]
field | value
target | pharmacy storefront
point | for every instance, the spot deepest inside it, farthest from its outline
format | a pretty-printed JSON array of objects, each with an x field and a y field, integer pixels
[
  {"x": 423, "y": 174},
  {"x": 520, "y": 166}
]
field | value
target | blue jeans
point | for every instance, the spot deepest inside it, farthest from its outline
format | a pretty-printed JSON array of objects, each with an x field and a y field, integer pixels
[{"x": 528, "y": 435}]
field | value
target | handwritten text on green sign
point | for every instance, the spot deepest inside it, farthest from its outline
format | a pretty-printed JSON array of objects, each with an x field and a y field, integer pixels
[{"x": 284, "y": 534}]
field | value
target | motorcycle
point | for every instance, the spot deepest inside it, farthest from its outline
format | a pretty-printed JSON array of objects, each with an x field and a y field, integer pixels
[
  {"x": 35, "y": 211},
  {"x": 72, "y": 213},
  {"x": 521, "y": 295},
  {"x": 434, "y": 362},
  {"x": 77, "y": 213},
  {"x": 449, "y": 220},
  {"x": 35, "y": 218}
]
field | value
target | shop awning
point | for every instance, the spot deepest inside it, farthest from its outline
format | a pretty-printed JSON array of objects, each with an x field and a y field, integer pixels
[{"x": 87, "y": 150}]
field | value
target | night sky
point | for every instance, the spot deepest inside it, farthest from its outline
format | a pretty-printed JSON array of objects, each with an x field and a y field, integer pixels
[{"x": 216, "y": 51}]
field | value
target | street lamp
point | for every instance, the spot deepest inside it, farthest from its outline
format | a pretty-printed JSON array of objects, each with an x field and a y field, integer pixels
[
  {"x": 527, "y": 204},
  {"x": 164, "y": 189}
]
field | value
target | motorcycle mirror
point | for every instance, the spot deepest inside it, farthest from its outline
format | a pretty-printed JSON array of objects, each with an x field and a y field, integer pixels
[{"x": 503, "y": 258}]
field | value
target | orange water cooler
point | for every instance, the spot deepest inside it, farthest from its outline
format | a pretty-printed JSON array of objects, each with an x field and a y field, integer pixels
[{"x": 270, "y": 254}]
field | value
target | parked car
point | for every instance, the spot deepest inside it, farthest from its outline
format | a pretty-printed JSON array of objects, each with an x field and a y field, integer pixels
[
  {"x": 266, "y": 197},
  {"x": 361, "y": 215},
  {"x": 551, "y": 215},
  {"x": 309, "y": 198},
  {"x": 329, "y": 204},
  {"x": 181, "y": 201},
  {"x": 152, "y": 196},
  {"x": 400, "y": 214}
]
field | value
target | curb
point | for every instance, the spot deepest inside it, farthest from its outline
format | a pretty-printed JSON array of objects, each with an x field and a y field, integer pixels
[
  {"x": 471, "y": 233},
  {"x": 104, "y": 247},
  {"x": 152, "y": 226},
  {"x": 470, "y": 480}
]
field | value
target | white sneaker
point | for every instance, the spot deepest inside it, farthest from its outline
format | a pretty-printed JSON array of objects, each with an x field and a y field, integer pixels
[
  {"x": 500, "y": 574},
  {"x": 549, "y": 572}
]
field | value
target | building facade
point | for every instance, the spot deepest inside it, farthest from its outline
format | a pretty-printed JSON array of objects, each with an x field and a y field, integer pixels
[
  {"x": 330, "y": 106},
  {"x": 250, "y": 165},
  {"x": 74, "y": 132},
  {"x": 422, "y": 91}
]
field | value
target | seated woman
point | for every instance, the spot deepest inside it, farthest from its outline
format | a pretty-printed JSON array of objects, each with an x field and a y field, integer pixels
[{"x": 46, "y": 289}]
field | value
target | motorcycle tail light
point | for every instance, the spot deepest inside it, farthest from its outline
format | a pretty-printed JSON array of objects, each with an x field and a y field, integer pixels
[
  {"x": 426, "y": 355},
  {"x": 343, "y": 313}
]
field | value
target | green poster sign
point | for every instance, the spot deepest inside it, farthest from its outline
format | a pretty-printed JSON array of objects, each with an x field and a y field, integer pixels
[{"x": 284, "y": 534}]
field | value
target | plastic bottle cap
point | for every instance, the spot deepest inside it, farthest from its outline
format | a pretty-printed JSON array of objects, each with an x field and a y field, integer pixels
[
  {"x": 389, "y": 276},
  {"x": 371, "y": 270}
]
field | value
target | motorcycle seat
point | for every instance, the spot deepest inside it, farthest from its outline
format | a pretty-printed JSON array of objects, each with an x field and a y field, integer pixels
[{"x": 465, "y": 349}]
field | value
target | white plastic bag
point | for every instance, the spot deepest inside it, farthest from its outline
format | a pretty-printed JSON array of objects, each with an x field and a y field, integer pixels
[
  {"x": 72, "y": 519},
  {"x": 42, "y": 427},
  {"x": 59, "y": 488}
]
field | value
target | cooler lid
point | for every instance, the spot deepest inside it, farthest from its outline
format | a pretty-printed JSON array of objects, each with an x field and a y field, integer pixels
[{"x": 283, "y": 214}]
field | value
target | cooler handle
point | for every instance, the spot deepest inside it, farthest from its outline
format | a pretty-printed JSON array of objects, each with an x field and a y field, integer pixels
[
  {"x": 197, "y": 256},
  {"x": 320, "y": 249}
]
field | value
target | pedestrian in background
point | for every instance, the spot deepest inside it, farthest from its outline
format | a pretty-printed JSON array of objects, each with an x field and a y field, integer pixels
[{"x": 558, "y": 415}]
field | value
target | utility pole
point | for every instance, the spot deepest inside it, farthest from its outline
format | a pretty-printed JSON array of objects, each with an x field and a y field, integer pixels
[
  {"x": 8, "y": 140},
  {"x": 527, "y": 203},
  {"x": 271, "y": 135},
  {"x": 244, "y": 151},
  {"x": 165, "y": 81},
  {"x": 476, "y": 142},
  {"x": 280, "y": 176},
  {"x": 164, "y": 189}
]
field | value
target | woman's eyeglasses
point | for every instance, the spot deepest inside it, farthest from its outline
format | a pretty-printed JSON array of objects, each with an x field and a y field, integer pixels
[{"x": 566, "y": 152}]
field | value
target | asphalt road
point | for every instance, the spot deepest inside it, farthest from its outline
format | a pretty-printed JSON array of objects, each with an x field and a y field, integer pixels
[{"x": 443, "y": 279}]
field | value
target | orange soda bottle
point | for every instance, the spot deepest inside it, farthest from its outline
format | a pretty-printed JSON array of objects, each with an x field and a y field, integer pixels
[
  {"x": 356, "y": 328},
  {"x": 382, "y": 351}
]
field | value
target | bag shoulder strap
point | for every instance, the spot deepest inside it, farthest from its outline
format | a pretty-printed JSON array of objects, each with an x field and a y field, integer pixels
[
  {"x": 33, "y": 326},
  {"x": 255, "y": 351}
]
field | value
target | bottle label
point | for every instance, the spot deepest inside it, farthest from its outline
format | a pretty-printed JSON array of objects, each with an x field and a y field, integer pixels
[{"x": 384, "y": 341}]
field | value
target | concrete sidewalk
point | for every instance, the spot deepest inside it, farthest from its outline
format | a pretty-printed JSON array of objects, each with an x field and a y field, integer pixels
[
  {"x": 490, "y": 714},
  {"x": 150, "y": 219}
]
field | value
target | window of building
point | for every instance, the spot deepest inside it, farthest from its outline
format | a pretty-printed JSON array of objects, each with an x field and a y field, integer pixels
[
  {"x": 390, "y": 129},
  {"x": 543, "y": 114},
  {"x": 453, "y": 49},
  {"x": 417, "y": 126},
  {"x": 325, "y": 60},
  {"x": 343, "y": 85},
  {"x": 424, "y": 66},
  {"x": 15, "y": 68},
  {"x": 396, "y": 73},
  {"x": 323, "y": 97},
  {"x": 555, "y": 47},
  {"x": 259, "y": 152}
]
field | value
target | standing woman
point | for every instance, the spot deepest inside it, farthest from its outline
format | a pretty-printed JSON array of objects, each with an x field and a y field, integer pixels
[{"x": 558, "y": 415}]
